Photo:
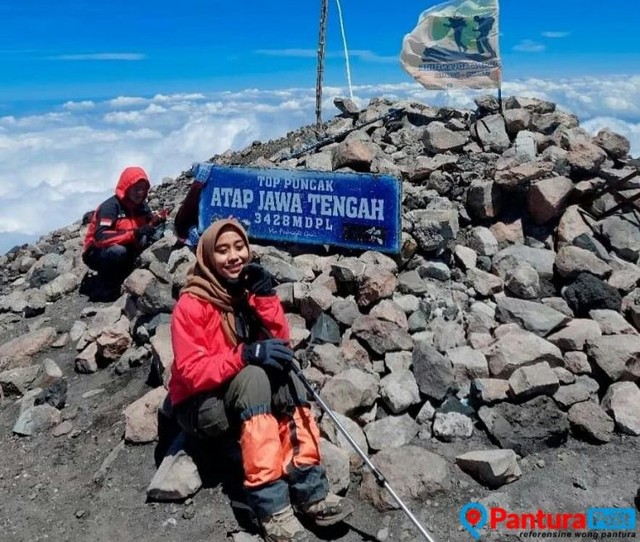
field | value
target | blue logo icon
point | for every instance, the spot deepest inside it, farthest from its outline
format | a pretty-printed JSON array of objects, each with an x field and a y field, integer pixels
[
  {"x": 618, "y": 519},
  {"x": 473, "y": 517}
]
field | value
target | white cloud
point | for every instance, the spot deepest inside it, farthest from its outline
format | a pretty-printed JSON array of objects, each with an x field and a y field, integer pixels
[
  {"x": 56, "y": 166},
  {"x": 555, "y": 34},
  {"x": 619, "y": 103},
  {"x": 133, "y": 101},
  {"x": 529, "y": 46},
  {"x": 79, "y": 106},
  {"x": 135, "y": 117},
  {"x": 126, "y": 101},
  {"x": 34, "y": 121},
  {"x": 177, "y": 98},
  {"x": 586, "y": 97}
]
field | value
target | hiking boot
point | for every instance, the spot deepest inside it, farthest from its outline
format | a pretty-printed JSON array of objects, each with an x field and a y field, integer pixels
[
  {"x": 283, "y": 526},
  {"x": 329, "y": 511}
]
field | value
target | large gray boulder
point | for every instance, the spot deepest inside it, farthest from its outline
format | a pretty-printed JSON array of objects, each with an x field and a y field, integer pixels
[
  {"x": 520, "y": 348},
  {"x": 492, "y": 468},
  {"x": 618, "y": 356},
  {"x": 412, "y": 472},
  {"x": 535, "y": 317},
  {"x": 351, "y": 391},
  {"x": 433, "y": 371},
  {"x": 528, "y": 428},
  {"x": 623, "y": 235},
  {"x": 590, "y": 422},
  {"x": 622, "y": 402}
]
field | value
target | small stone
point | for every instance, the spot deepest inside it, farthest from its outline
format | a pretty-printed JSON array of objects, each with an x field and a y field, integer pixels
[
  {"x": 91, "y": 393},
  {"x": 61, "y": 429},
  {"x": 579, "y": 483}
]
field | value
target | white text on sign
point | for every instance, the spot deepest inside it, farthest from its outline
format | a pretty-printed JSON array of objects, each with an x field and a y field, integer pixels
[{"x": 292, "y": 202}]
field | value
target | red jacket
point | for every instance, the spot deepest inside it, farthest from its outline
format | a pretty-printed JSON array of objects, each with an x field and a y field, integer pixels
[
  {"x": 203, "y": 357},
  {"x": 115, "y": 219}
]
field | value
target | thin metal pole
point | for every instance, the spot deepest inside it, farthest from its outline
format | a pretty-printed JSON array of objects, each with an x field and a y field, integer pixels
[
  {"x": 346, "y": 50},
  {"x": 324, "y": 8},
  {"x": 378, "y": 475}
]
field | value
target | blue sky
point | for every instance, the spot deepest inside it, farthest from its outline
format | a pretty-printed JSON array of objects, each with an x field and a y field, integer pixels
[
  {"x": 74, "y": 49},
  {"x": 88, "y": 88}
]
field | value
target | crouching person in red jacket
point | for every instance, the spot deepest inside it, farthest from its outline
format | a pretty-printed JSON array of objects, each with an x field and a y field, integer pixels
[
  {"x": 231, "y": 372},
  {"x": 121, "y": 227}
]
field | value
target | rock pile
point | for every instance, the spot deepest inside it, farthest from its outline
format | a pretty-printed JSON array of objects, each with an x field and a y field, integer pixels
[{"x": 512, "y": 309}]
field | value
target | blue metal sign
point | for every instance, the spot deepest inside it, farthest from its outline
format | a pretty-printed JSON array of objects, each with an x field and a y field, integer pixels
[{"x": 353, "y": 210}]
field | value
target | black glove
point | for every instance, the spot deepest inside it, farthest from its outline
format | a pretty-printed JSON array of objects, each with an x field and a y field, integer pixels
[
  {"x": 257, "y": 280},
  {"x": 269, "y": 354},
  {"x": 144, "y": 231}
]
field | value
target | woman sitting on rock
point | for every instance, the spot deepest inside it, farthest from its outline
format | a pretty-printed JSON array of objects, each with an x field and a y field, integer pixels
[
  {"x": 231, "y": 372},
  {"x": 119, "y": 230}
]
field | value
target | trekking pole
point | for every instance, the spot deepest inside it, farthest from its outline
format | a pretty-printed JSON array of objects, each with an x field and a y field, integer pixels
[{"x": 382, "y": 481}]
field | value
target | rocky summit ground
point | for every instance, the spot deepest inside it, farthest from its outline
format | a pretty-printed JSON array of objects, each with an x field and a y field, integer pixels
[{"x": 496, "y": 359}]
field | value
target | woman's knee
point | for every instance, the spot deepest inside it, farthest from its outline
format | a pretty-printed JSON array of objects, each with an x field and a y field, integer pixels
[
  {"x": 252, "y": 375},
  {"x": 115, "y": 253},
  {"x": 249, "y": 389},
  {"x": 290, "y": 394}
]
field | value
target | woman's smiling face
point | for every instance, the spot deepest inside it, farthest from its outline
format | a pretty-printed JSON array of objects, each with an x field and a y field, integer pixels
[{"x": 230, "y": 253}]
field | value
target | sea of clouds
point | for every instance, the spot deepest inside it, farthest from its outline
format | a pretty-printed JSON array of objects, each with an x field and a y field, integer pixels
[{"x": 57, "y": 165}]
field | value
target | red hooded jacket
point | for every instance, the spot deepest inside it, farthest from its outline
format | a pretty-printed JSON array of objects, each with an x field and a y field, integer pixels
[
  {"x": 203, "y": 357},
  {"x": 115, "y": 219}
]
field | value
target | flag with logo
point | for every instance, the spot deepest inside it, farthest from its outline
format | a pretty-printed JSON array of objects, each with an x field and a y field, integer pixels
[{"x": 455, "y": 45}]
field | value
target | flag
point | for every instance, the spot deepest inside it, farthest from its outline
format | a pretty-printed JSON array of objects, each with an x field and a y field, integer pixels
[{"x": 455, "y": 45}]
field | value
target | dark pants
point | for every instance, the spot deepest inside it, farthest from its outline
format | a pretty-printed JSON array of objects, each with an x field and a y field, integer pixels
[
  {"x": 113, "y": 263},
  {"x": 253, "y": 393}
]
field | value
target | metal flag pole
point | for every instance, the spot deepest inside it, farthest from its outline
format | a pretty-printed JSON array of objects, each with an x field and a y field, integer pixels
[
  {"x": 382, "y": 481},
  {"x": 346, "y": 50},
  {"x": 497, "y": 18},
  {"x": 324, "y": 8}
]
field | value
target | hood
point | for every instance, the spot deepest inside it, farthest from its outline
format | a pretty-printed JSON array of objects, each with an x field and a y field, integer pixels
[{"x": 129, "y": 177}]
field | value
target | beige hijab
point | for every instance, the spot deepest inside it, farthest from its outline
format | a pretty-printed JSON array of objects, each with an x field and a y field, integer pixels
[{"x": 202, "y": 280}]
